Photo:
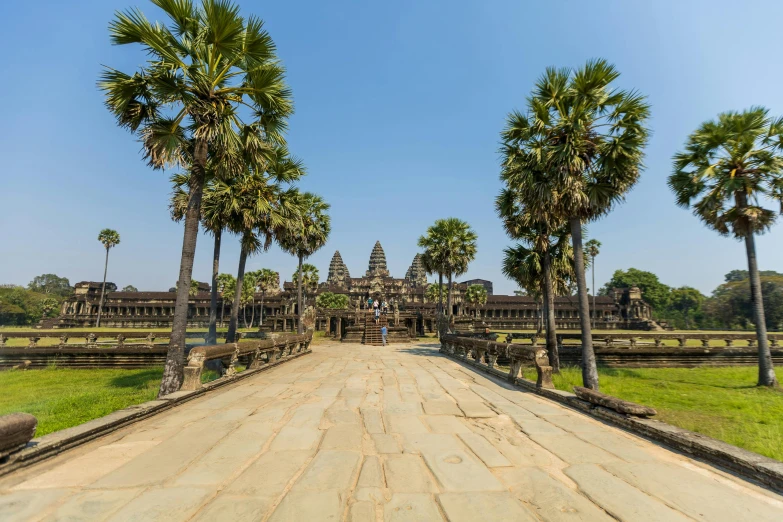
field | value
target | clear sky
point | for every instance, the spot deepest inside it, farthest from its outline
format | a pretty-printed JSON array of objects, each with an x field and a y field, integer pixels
[{"x": 399, "y": 106}]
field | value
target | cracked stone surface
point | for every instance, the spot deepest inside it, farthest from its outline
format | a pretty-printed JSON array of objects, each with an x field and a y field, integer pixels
[{"x": 359, "y": 433}]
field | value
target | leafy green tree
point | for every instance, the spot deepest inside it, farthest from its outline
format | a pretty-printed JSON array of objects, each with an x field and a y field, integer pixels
[
  {"x": 592, "y": 249},
  {"x": 743, "y": 275},
  {"x": 584, "y": 140},
  {"x": 20, "y": 306},
  {"x": 686, "y": 299},
  {"x": 477, "y": 296},
  {"x": 51, "y": 284},
  {"x": 109, "y": 239},
  {"x": 731, "y": 305},
  {"x": 184, "y": 106},
  {"x": 729, "y": 167},
  {"x": 655, "y": 293},
  {"x": 130, "y": 288},
  {"x": 452, "y": 243},
  {"x": 435, "y": 292},
  {"x": 226, "y": 286},
  {"x": 303, "y": 237},
  {"x": 332, "y": 301}
]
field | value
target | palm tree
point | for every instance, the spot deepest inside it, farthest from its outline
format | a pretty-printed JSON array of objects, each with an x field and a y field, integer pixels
[
  {"x": 587, "y": 138},
  {"x": 477, "y": 296},
  {"x": 729, "y": 166},
  {"x": 184, "y": 104},
  {"x": 450, "y": 244},
  {"x": 110, "y": 239},
  {"x": 249, "y": 287},
  {"x": 526, "y": 265},
  {"x": 267, "y": 279},
  {"x": 263, "y": 210},
  {"x": 592, "y": 248},
  {"x": 303, "y": 237},
  {"x": 433, "y": 264},
  {"x": 227, "y": 286}
]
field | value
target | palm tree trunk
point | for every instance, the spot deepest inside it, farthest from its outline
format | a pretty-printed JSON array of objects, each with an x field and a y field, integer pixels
[
  {"x": 212, "y": 336},
  {"x": 593, "y": 270},
  {"x": 450, "y": 301},
  {"x": 252, "y": 312},
  {"x": 440, "y": 292},
  {"x": 299, "y": 326},
  {"x": 766, "y": 370},
  {"x": 589, "y": 367},
  {"x": 103, "y": 289},
  {"x": 244, "y": 315},
  {"x": 232, "y": 325},
  {"x": 261, "y": 313},
  {"x": 222, "y": 311},
  {"x": 173, "y": 373},
  {"x": 551, "y": 329}
]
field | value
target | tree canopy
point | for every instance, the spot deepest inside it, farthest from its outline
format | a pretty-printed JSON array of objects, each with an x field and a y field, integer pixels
[
  {"x": 332, "y": 300},
  {"x": 655, "y": 293},
  {"x": 50, "y": 284}
]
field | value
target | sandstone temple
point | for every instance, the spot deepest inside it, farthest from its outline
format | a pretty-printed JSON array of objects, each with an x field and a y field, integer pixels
[{"x": 410, "y": 312}]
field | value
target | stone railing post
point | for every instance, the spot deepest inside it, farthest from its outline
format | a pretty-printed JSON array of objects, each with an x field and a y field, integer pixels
[
  {"x": 3, "y": 339},
  {"x": 193, "y": 371},
  {"x": 729, "y": 342},
  {"x": 633, "y": 342},
  {"x": 705, "y": 342},
  {"x": 772, "y": 342},
  {"x": 657, "y": 342},
  {"x": 543, "y": 370},
  {"x": 150, "y": 341},
  {"x": 513, "y": 371},
  {"x": 63, "y": 341},
  {"x": 120, "y": 341},
  {"x": 751, "y": 342},
  {"x": 682, "y": 340},
  {"x": 232, "y": 366},
  {"x": 480, "y": 351},
  {"x": 33, "y": 342}
]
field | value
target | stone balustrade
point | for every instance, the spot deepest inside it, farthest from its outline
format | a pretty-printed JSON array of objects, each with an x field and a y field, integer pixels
[
  {"x": 103, "y": 340},
  {"x": 632, "y": 340},
  {"x": 481, "y": 352},
  {"x": 257, "y": 354}
]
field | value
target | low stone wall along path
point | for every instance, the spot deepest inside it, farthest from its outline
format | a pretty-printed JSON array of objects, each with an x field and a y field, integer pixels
[{"x": 364, "y": 433}]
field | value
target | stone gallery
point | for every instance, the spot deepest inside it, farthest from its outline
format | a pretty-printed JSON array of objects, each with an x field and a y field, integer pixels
[{"x": 410, "y": 312}]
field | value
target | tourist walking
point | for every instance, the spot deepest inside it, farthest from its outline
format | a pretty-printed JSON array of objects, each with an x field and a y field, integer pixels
[
  {"x": 376, "y": 304},
  {"x": 377, "y": 314},
  {"x": 384, "y": 333},
  {"x": 369, "y": 303},
  {"x": 385, "y": 307}
]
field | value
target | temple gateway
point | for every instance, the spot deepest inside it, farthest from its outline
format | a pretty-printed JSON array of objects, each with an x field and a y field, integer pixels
[{"x": 410, "y": 312}]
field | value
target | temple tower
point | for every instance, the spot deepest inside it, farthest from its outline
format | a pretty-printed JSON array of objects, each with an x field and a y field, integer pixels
[
  {"x": 416, "y": 274},
  {"x": 338, "y": 272},
  {"x": 377, "y": 265}
]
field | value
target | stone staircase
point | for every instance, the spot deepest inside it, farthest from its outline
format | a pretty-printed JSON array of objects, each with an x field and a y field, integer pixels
[{"x": 372, "y": 331}]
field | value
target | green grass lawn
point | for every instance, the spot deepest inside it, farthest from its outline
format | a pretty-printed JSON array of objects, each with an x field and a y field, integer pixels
[
  {"x": 723, "y": 403},
  {"x": 61, "y": 398}
]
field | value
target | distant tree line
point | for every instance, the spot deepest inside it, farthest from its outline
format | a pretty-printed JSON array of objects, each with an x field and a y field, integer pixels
[
  {"x": 730, "y": 307},
  {"x": 42, "y": 298}
]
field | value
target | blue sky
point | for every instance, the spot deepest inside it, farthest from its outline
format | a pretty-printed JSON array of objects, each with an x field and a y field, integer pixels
[{"x": 398, "y": 110}]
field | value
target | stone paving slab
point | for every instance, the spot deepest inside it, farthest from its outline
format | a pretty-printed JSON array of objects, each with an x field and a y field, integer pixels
[{"x": 368, "y": 434}]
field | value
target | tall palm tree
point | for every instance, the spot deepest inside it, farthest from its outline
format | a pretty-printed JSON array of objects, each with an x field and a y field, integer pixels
[
  {"x": 304, "y": 236},
  {"x": 587, "y": 138},
  {"x": 110, "y": 239},
  {"x": 526, "y": 264},
  {"x": 267, "y": 279},
  {"x": 592, "y": 248},
  {"x": 449, "y": 244},
  {"x": 433, "y": 264},
  {"x": 477, "y": 296},
  {"x": 263, "y": 211},
  {"x": 249, "y": 287},
  {"x": 226, "y": 285},
  {"x": 729, "y": 166},
  {"x": 184, "y": 107}
]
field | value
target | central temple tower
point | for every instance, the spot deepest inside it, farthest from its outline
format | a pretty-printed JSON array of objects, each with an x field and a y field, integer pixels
[{"x": 377, "y": 266}]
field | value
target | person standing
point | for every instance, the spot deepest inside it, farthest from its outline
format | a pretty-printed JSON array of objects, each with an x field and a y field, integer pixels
[
  {"x": 384, "y": 333},
  {"x": 377, "y": 314}
]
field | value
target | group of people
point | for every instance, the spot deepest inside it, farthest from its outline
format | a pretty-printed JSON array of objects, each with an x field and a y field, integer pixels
[{"x": 380, "y": 307}]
